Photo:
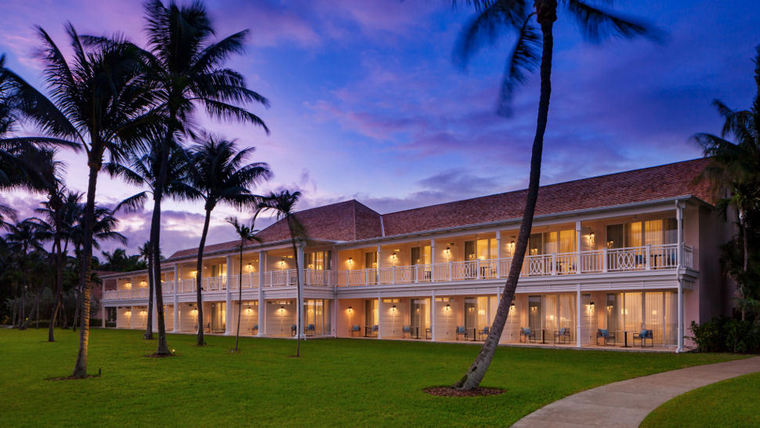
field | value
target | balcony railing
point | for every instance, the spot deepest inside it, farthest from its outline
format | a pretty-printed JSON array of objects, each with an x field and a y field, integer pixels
[{"x": 650, "y": 257}]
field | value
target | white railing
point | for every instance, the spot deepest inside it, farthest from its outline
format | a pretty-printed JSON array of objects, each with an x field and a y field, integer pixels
[
  {"x": 650, "y": 257},
  {"x": 167, "y": 287}
]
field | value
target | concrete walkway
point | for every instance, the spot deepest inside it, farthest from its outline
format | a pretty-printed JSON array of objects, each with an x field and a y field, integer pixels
[{"x": 627, "y": 403}]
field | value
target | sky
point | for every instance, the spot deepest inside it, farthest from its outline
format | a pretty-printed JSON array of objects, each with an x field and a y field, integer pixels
[{"x": 367, "y": 101}]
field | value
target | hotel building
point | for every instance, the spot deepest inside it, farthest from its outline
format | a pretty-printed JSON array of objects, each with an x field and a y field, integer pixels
[{"x": 608, "y": 257}]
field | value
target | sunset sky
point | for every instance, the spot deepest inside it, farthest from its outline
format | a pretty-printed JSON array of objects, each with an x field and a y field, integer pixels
[{"x": 367, "y": 103}]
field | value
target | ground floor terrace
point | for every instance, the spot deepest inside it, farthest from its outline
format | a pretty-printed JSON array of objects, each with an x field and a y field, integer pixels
[{"x": 612, "y": 319}]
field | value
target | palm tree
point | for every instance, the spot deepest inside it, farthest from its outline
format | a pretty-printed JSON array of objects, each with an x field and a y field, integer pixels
[
  {"x": 143, "y": 169},
  {"x": 533, "y": 21},
  {"x": 246, "y": 234},
  {"x": 218, "y": 176},
  {"x": 101, "y": 101},
  {"x": 188, "y": 71},
  {"x": 23, "y": 238},
  {"x": 282, "y": 204},
  {"x": 735, "y": 169}
]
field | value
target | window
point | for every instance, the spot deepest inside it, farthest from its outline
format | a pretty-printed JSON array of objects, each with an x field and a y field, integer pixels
[
  {"x": 370, "y": 259},
  {"x": 640, "y": 233},
  {"x": 470, "y": 250},
  {"x": 420, "y": 255}
]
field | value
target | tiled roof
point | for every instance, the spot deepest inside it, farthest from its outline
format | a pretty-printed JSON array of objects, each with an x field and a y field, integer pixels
[
  {"x": 351, "y": 220},
  {"x": 648, "y": 184}
]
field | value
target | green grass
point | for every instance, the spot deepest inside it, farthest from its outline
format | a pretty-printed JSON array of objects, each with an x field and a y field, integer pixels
[
  {"x": 335, "y": 382},
  {"x": 730, "y": 403}
]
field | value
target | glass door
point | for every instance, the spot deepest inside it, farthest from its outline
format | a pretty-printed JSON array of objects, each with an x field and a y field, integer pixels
[{"x": 419, "y": 319}]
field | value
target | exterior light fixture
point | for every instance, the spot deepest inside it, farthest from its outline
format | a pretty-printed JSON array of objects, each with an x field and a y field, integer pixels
[
  {"x": 447, "y": 252},
  {"x": 447, "y": 308},
  {"x": 249, "y": 268},
  {"x": 194, "y": 274},
  {"x": 143, "y": 283},
  {"x": 511, "y": 247},
  {"x": 394, "y": 257},
  {"x": 350, "y": 309},
  {"x": 282, "y": 263},
  {"x": 350, "y": 262},
  {"x": 128, "y": 285},
  {"x": 512, "y": 307}
]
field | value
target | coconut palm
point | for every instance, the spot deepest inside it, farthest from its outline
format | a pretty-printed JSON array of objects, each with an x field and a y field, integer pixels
[
  {"x": 23, "y": 239},
  {"x": 533, "y": 23},
  {"x": 734, "y": 169},
  {"x": 143, "y": 169},
  {"x": 187, "y": 68},
  {"x": 145, "y": 254},
  {"x": 246, "y": 234},
  {"x": 219, "y": 175},
  {"x": 283, "y": 204},
  {"x": 101, "y": 101}
]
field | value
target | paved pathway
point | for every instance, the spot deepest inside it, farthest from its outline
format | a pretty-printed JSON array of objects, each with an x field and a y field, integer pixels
[{"x": 627, "y": 403}]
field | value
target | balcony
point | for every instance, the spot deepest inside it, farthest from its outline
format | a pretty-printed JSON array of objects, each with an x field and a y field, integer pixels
[{"x": 650, "y": 257}]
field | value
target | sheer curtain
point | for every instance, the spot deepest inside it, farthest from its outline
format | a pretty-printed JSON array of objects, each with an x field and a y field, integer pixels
[
  {"x": 567, "y": 312},
  {"x": 653, "y": 232},
  {"x": 550, "y": 313}
]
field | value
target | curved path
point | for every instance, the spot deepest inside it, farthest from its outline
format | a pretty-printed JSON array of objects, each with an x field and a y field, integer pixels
[{"x": 627, "y": 403}]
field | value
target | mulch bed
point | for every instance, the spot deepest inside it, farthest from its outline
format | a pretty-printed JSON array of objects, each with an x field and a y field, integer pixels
[
  {"x": 447, "y": 391},
  {"x": 159, "y": 355},
  {"x": 71, "y": 377}
]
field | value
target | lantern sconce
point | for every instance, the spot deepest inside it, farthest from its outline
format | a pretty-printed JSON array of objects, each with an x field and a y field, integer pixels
[
  {"x": 350, "y": 309},
  {"x": 447, "y": 253},
  {"x": 511, "y": 247},
  {"x": 249, "y": 268},
  {"x": 350, "y": 262},
  {"x": 393, "y": 308},
  {"x": 447, "y": 308}
]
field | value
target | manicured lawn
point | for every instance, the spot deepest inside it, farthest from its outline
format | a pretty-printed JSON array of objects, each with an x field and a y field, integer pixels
[
  {"x": 336, "y": 382},
  {"x": 731, "y": 403}
]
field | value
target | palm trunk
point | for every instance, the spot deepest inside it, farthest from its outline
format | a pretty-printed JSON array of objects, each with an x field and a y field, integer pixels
[
  {"x": 149, "y": 328},
  {"x": 80, "y": 367},
  {"x": 199, "y": 278},
  {"x": 546, "y": 17},
  {"x": 745, "y": 262},
  {"x": 299, "y": 308},
  {"x": 240, "y": 295},
  {"x": 58, "y": 287},
  {"x": 155, "y": 239}
]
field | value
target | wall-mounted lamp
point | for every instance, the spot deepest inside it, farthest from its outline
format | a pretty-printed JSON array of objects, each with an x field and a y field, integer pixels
[
  {"x": 470, "y": 309},
  {"x": 393, "y": 308},
  {"x": 394, "y": 257},
  {"x": 248, "y": 310},
  {"x": 127, "y": 285},
  {"x": 447, "y": 252},
  {"x": 281, "y": 264},
  {"x": 194, "y": 274},
  {"x": 127, "y": 313},
  {"x": 281, "y": 310},
  {"x": 447, "y": 308},
  {"x": 512, "y": 307},
  {"x": 194, "y": 311},
  {"x": 350, "y": 262},
  {"x": 350, "y": 309},
  {"x": 249, "y": 268},
  {"x": 143, "y": 312},
  {"x": 143, "y": 283}
]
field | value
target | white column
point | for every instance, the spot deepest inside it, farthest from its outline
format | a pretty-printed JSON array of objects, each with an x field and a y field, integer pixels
[
  {"x": 379, "y": 317},
  {"x": 176, "y": 301},
  {"x": 300, "y": 287},
  {"x": 679, "y": 220},
  {"x": 432, "y": 260},
  {"x": 432, "y": 317},
  {"x": 228, "y": 298},
  {"x": 262, "y": 302},
  {"x": 498, "y": 253},
  {"x": 157, "y": 288},
  {"x": 578, "y": 316},
  {"x": 578, "y": 243},
  {"x": 680, "y": 317}
]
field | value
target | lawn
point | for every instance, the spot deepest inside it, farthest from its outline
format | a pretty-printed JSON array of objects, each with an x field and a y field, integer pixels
[
  {"x": 335, "y": 382},
  {"x": 730, "y": 403}
]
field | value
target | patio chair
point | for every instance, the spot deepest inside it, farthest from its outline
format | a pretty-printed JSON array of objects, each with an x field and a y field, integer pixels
[
  {"x": 293, "y": 330},
  {"x": 526, "y": 335},
  {"x": 406, "y": 330},
  {"x": 255, "y": 329},
  {"x": 355, "y": 329},
  {"x": 311, "y": 330},
  {"x": 375, "y": 330},
  {"x": 642, "y": 336},
  {"x": 428, "y": 334},
  {"x": 483, "y": 333},
  {"x": 562, "y": 336},
  {"x": 461, "y": 331},
  {"x": 606, "y": 336}
]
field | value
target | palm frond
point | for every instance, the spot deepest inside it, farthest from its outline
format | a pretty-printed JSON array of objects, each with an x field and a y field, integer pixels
[{"x": 598, "y": 24}]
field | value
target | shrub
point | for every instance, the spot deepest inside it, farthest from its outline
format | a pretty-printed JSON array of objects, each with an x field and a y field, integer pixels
[{"x": 727, "y": 335}]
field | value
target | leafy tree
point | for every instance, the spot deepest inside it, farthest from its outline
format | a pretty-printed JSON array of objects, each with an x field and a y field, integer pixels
[
  {"x": 219, "y": 175},
  {"x": 533, "y": 23},
  {"x": 734, "y": 171},
  {"x": 283, "y": 203}
]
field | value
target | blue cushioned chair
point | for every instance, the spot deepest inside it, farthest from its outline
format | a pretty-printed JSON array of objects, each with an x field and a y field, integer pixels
[
  {"x": 293, "y": 330},
  {"x": 461, "y": 331},
  {"x": 355, "y": 329},
  {"x": 562, "y": 335},
  {"x": 407, "y": 330},
  {"x": 526, "y": 335},
  {"x": 642, "y": 336},
  {"x": 482, "y": 334},
  {"x": 608, "y": 338}
]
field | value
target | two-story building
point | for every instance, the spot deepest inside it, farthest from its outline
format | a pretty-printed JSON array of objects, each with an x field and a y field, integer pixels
[{"x": 608, "y": 257}]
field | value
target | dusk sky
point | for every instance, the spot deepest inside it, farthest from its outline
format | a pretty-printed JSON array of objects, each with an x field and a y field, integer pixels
[{"x": 367, "y": 103}]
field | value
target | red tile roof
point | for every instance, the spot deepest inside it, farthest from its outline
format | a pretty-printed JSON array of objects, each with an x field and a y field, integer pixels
[{"x": 351, "y": 220}]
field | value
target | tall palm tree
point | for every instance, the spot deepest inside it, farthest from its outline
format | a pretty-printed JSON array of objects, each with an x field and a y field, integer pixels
[
  {"x": 101, "y": 101},
  {"x": 283, "y": 204},
  {"x": 143, "y": 169},
  {"x": 219, "y": 175},
  {"x": 187, "y": 68},
  {"x": 735, "y": 170},
  {"x": 246, "y": 234},
  {"x": 533, "y": 22}
]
